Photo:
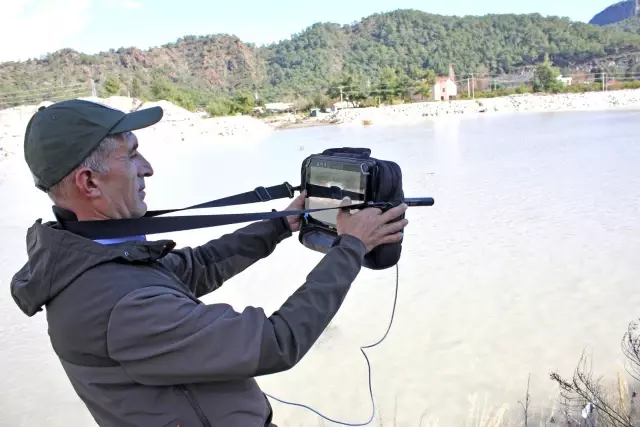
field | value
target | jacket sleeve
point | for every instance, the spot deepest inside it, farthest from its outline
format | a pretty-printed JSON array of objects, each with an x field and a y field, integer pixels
[
  {"x": 205, "y": 268},
  {"x": 163, "y": 337}
]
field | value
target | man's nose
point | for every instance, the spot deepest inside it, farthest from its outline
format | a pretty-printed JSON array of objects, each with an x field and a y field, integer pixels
[{"x": 145, "y": 168}]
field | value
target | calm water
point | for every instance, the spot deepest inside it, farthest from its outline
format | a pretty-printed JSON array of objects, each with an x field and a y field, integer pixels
[{"x": 529, "y": 256}]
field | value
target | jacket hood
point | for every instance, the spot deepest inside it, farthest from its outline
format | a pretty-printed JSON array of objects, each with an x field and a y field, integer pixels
[{"x": 57, "y": 257}]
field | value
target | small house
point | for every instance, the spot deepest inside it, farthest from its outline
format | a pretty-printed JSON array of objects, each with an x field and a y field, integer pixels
[
  {"x": 445, "y": 88},
  {"x": 279, "y": 107}
]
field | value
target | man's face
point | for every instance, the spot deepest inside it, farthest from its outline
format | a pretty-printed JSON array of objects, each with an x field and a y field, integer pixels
[{"x": 122, "y": 188}]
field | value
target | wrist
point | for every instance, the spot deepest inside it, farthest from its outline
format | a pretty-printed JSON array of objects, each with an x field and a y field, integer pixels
[
  {"x": 350, "y": 241},
  {"x": 283, "y": 225},
  {"x": 291, "y": 222}
]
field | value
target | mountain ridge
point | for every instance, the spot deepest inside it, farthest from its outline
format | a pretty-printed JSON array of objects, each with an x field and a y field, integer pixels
[
  {"x": 615, "y": 13},
  {"x": 405, "y": 40}
]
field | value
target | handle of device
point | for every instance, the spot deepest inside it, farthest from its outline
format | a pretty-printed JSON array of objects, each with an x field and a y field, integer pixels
[
  {"x": 419, "y": 201},
  {"x": 412, "y": 201}
]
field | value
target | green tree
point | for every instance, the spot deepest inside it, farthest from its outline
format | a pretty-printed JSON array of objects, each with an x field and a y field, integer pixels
[
  {"x": 219, "y": 107},
  {"x": 426, "y": 83},
  {"x": 111, "y": 86},
  {"x": 184, "y": 100},
  {"x": 545, "y": 77},
  {"x": 162, "y": 88},
  {"x": 403, "y": 84},
  {"x": 243, "y": 102},
  {"x": 321, "y": 101},
  {"x": 136, "y": 88},
  {"x": 352, "y": 86},
  {"x": 388, "y": 84}
]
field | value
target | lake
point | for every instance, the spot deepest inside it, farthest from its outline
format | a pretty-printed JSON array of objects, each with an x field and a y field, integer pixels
[{"x": 528, "y": 257}]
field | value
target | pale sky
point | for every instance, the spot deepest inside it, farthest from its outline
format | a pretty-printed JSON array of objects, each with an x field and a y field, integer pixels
[{"x": 30, "y": 28}]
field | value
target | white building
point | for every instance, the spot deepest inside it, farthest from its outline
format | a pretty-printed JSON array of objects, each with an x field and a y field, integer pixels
[
  {"x": 278, "y": 107},
  {"x": 445, "y": 88}
]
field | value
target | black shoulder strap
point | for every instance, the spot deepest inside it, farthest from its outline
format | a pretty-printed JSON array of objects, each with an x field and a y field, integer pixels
[
  {"x": 260, "y": 194},
  {"x": 152, "y": 224}
]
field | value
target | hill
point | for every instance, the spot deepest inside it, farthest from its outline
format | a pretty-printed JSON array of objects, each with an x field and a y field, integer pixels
[
  {"x": 222, "y": 70},
  {"x": 631, "y": 25},
  {"x": 615, "y": 13}
]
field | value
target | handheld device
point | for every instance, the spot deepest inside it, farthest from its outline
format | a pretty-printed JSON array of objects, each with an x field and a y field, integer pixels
[{"x": 338, "y": 173}]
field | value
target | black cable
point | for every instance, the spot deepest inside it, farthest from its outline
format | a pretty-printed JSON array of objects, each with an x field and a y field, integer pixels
[{"x": 373, "y": 407}]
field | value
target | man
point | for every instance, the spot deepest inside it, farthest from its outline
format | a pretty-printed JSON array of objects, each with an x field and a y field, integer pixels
[{"x": 124, "y": 317}]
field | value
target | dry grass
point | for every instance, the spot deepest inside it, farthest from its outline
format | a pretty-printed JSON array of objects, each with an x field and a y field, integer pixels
[{"x": 485, "y": 416}]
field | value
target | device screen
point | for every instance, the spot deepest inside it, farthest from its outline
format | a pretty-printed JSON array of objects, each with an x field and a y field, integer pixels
[{"x": 346, "y": 177}]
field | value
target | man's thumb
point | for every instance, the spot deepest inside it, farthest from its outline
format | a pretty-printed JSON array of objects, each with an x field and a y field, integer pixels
[{"x": 346, "y": 202}]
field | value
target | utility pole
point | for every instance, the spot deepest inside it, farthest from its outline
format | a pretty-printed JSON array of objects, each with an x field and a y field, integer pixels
[
  {"x": 473, "y": 86},
  {"x": 341, "y": 94}
]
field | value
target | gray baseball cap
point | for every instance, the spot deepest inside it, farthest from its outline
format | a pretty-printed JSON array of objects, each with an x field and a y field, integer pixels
[{"x": 59, "y": 137}]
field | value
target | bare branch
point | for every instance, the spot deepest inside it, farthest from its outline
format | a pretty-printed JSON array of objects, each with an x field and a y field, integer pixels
[
  {"x": 585, "y": 395},
  {"x": 525, "y": 406}
]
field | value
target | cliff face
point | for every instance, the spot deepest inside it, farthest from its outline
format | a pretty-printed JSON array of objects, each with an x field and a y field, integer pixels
[
  {"x": 220, "y": 61},
  {"x": 615, "y": 13}
]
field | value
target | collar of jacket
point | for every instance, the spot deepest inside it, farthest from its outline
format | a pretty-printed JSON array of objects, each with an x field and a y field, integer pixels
[
  {"x": 135, "y": 250},
  {"x": 56, "y": 257}
]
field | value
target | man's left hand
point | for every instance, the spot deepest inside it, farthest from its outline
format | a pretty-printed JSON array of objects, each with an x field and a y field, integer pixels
[{"x": 294, "y": 220}]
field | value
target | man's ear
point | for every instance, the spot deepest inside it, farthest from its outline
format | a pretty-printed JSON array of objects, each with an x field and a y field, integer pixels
[{"x": 86, "y": 183}]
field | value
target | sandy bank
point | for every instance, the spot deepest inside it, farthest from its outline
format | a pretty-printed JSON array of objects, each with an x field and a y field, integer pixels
[
  {"x": 177, "y": 124},
  {"x": 182, "y": 126}
]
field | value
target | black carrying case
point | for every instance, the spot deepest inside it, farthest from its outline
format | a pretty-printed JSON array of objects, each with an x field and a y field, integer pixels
[{"x": 383, "y": 183}]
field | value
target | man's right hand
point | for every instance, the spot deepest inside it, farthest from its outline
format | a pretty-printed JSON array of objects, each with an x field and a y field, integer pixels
[{"x": 371, "y": 225}]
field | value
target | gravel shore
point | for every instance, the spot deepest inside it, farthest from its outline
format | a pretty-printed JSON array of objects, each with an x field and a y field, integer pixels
[{"x": 592, "y": 101}]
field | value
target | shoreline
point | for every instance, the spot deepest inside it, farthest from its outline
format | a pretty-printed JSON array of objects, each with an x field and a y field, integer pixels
[
  {"x": 181, "y": 126},
  {"x": 419, "y": 112},
  {"x": 526, "y": 103}
]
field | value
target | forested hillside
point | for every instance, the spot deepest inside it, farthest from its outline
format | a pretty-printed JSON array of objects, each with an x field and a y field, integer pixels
[
  {"x": 410, "y": 43},
  {"x": 631, "y": 25}
]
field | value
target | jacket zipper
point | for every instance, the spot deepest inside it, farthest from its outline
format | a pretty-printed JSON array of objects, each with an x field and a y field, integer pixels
[{"x": 194, "y": 404}]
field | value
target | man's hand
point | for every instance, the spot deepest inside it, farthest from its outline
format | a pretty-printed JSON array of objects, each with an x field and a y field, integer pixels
[
  {"x": 372, "y": 226},
  {"x": 297, "y": 204}
]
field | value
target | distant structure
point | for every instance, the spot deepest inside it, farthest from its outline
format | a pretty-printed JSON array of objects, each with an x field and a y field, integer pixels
[
  {"x": 279, "y": 107},
  {"x": 445, "y": 88}
]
